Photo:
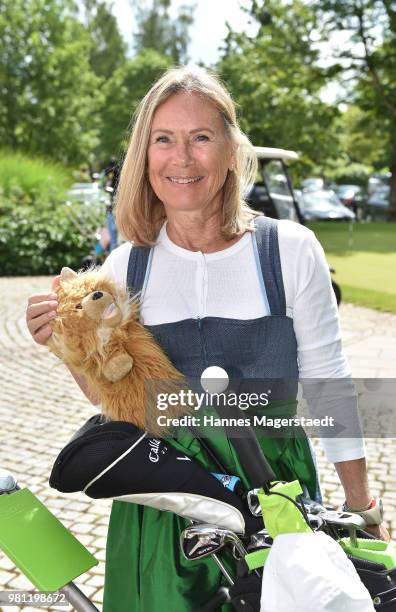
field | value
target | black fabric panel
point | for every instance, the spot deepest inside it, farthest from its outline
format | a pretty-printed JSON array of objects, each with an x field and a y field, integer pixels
[
  {"x": 246, "y": 593},
  {"x": 91, "y": 449}
]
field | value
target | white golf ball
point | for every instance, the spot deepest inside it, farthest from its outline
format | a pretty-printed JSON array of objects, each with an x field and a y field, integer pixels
[{"x": 214, "y": 379}]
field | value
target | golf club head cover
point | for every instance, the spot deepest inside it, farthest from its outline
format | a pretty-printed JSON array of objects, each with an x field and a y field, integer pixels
[{"x": 114, "y": 459}]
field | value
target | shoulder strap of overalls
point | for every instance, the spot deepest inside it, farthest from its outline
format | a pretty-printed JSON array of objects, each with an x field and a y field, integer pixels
[
  {"x": 266, "y": 237},
  {"x": 137, "y": 266}
]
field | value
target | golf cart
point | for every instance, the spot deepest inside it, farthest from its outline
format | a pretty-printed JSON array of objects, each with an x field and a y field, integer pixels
[{"x": 273, "y": 194}]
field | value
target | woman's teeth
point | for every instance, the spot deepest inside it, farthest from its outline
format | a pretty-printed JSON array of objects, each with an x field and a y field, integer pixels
[{"x": 184, "y": 181}]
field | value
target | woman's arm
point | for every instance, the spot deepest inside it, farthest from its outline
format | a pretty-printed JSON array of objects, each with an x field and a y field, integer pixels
[
  {"x": 82, "y": 383},
  {"x": 323, "y": 369},
  {"x": 315, "y": 318},
  {"x": 354, "y": 479}
]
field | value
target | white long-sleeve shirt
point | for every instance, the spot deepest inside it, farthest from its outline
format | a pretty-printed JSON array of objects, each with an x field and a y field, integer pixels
[{"x": 186, "y": 284}]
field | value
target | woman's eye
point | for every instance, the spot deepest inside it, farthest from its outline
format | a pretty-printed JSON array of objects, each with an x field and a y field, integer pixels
[
  {"x": 162, "y": 139},
  {"x": 202, "y": 138}
]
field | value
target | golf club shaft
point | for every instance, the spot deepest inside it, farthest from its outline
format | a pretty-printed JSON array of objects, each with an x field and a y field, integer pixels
[{"x": 223, "y": 570}]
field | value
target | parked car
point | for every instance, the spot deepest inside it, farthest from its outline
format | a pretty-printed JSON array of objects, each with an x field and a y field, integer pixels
[
  {"x": 272, "y": 192},
  {"x": 323, "y": 205},
  {"x": 353, "y": 197},
  {"x": 89, "y": 193},
  {"x": 378, "y": 204},
  {"x": 312, "y": 184},
  {"x": 378, "y": 181}
]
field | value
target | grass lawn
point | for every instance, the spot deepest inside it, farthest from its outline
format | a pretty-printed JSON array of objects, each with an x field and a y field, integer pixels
[{"x": 364, "y": 256}]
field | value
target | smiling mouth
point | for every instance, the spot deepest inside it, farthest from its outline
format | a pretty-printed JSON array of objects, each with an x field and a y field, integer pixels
[{"x": 178, "y": 180}]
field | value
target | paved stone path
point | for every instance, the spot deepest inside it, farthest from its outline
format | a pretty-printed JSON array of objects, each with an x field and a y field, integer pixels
[{"x": 41, "y": 407}]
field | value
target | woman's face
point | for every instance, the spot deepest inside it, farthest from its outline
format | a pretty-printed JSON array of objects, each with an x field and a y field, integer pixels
[{"x": 189, "y": 154}]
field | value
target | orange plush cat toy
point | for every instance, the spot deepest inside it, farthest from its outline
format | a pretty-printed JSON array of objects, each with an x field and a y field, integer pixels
[{"x": 97, "y": 333}]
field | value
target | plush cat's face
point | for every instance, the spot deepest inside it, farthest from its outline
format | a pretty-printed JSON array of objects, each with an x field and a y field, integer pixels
[{"x": 90, "y": 307}]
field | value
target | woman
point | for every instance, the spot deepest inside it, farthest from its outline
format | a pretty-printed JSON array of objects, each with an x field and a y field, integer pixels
[{"x": 219, "y": 287}]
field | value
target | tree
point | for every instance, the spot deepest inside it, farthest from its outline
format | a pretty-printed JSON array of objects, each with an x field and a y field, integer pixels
[
  {"x": 108, "y": 51},
  {"x": 157, "y": 30},
  {"x": 360, "y": 138},
  {"x": 368, "y": 60},
  {"x": 123, "y": 91},
  {"x": 360, "y": 149},
  {"x": 276, "y": 80},
  {"x": 49, "y": 94}
]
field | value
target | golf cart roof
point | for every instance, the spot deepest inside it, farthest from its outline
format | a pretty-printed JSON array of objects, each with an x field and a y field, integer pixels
[{"x": 270, "y": 153}]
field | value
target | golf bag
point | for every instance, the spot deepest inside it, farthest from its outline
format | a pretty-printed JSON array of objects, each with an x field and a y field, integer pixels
[{"x": 108, "y": 459}]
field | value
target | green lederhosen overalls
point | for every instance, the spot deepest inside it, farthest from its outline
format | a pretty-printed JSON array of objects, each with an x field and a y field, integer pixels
[{"x": 145, "y": 569}]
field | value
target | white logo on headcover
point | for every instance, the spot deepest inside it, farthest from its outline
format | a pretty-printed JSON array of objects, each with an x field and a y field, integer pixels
[{"x": 155, "y": 450}]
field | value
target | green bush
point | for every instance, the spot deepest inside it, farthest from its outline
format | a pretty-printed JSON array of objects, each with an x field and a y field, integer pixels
[
  {"x": 30, "y": 178},
  {"x": 40, "y": 231},
  {"x": 41, "y": 239}
]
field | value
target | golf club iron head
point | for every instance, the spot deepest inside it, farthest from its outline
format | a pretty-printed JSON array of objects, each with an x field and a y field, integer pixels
[
  {"x": 258, "y": 540},
  {"x": 253, "y": 502},
  {"x": 316, "y": 522},
  {"x": 202, "y": 540}
]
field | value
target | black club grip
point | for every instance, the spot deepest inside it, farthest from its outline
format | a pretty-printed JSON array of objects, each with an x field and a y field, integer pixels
[{"x": 245, "y": 442}]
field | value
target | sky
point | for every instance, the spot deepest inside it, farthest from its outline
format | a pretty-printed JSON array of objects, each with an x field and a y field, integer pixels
[{"x": 209, "y": 27}]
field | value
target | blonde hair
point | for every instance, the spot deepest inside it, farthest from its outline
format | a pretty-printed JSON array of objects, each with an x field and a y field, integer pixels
[{"x": 139, "y": 213}]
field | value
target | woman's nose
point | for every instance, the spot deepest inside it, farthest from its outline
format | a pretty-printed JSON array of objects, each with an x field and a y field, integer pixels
[{"x": 183, "y": 152}]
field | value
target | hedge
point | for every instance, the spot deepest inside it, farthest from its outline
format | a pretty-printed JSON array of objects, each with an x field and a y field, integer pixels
[{"x": 42, "y": 238}]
